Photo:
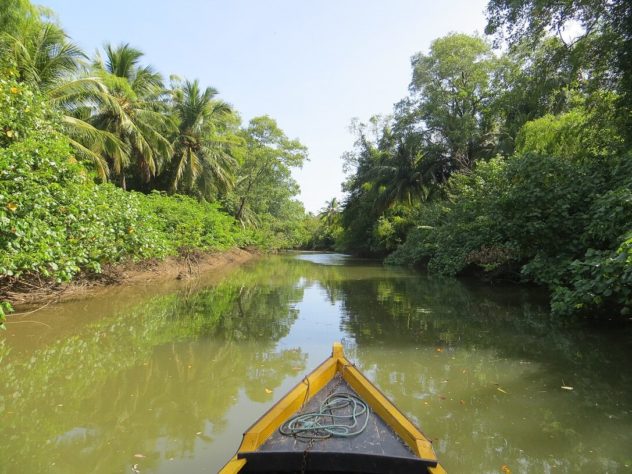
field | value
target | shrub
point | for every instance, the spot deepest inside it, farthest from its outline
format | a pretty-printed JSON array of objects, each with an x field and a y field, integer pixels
[
  {"x": 545, "y": 219},
  {"x": 185, "y": 223}
]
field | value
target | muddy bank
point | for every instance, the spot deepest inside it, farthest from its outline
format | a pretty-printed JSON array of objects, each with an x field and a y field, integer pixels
[{"x": 127, "y": 273}]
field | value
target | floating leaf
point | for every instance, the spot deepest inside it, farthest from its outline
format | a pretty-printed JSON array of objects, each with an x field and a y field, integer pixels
[
  {"x": 505, "y": 469},
  {"x": 139, "y": 456},
  {"x": 438, "y": 349},
  {"x": 268, "y": 391},
  {"x": 500, "y": 390},
  {"x": 566, "y": 387}
]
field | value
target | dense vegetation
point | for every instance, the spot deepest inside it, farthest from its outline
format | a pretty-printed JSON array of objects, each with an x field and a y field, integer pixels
[
  {"x": 509, "y": 159},
  {"x": 101, "y": 160},
  {"x": 514, "y": 163}
]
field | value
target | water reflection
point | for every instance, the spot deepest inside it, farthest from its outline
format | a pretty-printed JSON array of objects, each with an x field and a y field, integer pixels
[
  {"x": 152, "y": 383},
  {"x": 482, "y": 371},
  {"x": 169, "y": 381}
]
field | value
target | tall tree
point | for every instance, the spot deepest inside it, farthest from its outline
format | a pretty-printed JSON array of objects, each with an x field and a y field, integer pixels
[
  {"x": 202, "y": 161},
  {"x": 134, "y": 111},
  {"x": 15, "y": 15},
  {"x": 360, "y": 213},
  {"x": 450, "y": 94},
  {"x": 531, "y": 80},
  {"x": 42, "y": 56},
  {"x": 595, "y": 36},
  {"x": 265, "y": 183},
  {"x": 331, "y": 212},
  {"x": 405, "y": 174}
]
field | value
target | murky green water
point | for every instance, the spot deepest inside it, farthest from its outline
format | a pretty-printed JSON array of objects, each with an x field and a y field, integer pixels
[{"x": 167, "y": 377}]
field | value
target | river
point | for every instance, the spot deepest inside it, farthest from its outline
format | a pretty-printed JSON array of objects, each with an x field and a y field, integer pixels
[{"x": 164, "y": 378}]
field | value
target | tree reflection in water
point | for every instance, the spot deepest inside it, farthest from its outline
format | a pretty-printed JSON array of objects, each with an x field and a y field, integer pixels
[{"x": 154, "y": 380}]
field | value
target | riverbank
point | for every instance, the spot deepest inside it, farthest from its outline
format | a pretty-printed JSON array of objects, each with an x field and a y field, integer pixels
[{"x": 124, "y": 273}]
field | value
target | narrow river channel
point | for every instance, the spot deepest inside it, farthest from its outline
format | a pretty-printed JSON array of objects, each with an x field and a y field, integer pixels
[{"x": 165, "y": 378}]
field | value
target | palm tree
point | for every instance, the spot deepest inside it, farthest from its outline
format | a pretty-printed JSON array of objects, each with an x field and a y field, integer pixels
[
  {"x": 47, "y": 61},
  {"x": 330, "y": 213},
  {"x": 42, "y": 54},
  {"x": 201, "y": 161},
  {"x": 405, "y": 174},
  {"x": 133, "y": 110},
  {"x": 16, "y": 14}
]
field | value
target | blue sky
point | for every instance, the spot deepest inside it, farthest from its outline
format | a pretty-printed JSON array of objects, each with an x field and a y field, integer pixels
[{"x": 311, "y": 65}]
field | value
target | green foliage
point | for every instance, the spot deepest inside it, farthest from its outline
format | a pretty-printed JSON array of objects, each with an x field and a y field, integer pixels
[
  {"x": 21, "y": 113},
  {"x": 545, "y": 219},
  {"x": 14, "y": 14},
  {"x": 184, "y": 224},
  {"x": 324, "y": 230},
  {"x": 555, "y": 211},
  {"x": 265, "y": 184},
  {"x": 451, "y": 90},
  {"x": 62, "y": 120},
  {"x": 202, "y": 163},
  {"x": 289, "y": 230},
  {"x": 445, "y": 125},
  {"x": 600, "y": 282},
  {"x": 451, "y": 235},
  {"x": 53, "y": 220},
  {"x": 530, "y": 81},
  {"x": 596, "y": 53},
  {"x": 578, "y": 133},
  {"x": 263, "y": 199},
  {"x": 134, "y": 112},
  {"x": 119, "y": 118}
]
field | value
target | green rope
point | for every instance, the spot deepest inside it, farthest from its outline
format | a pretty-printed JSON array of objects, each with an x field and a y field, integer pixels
[{"x": 337, "y": 417}]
